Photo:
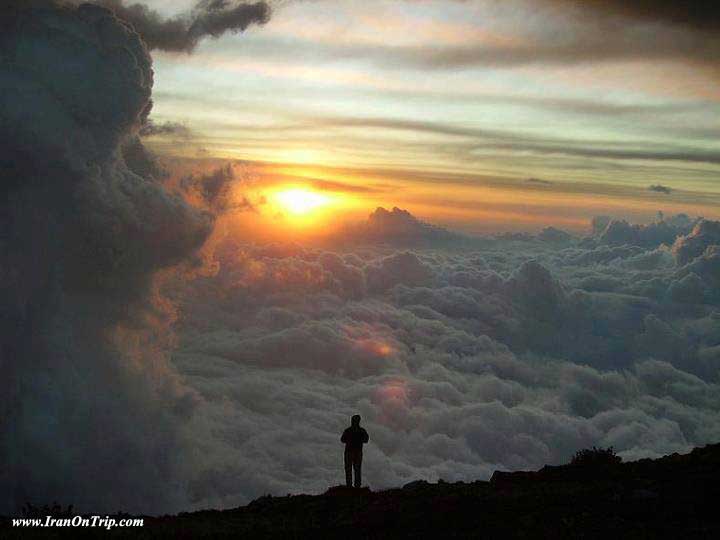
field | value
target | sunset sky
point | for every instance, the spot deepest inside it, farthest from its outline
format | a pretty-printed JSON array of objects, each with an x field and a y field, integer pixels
[{"x": 450, "y": 108}]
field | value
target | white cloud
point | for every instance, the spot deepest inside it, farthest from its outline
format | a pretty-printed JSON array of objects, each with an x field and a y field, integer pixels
[{"x": 456, "y": 370}]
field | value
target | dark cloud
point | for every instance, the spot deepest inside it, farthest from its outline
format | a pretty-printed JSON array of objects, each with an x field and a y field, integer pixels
[
  {"x": 703, "y": 16},
  {"x": 620, "y": 232},
  {"x": 404, "y": 267},
  {"x": 587, "y": 49},
  {"x": 215, "y": 189},
  {"x": 141, "y": 161},
  {"x": 209, "y": 18},
  {"x": 150, "y": 128},
  {"x": 689, "y": 289},
  {"x": 88, "y": 398},
  {"x": 571, "y": 32},
  {"x": 538, "y": 181},
  {"x": 551, "y": 234},
  {"x": 399, "y": 226},
  {"x": 699, "y": 281},
  {"x": 583, "y": 42},
  {"x": 478, "y": 139},
  {"x": 342, "y": 187},
  {"x": 704, "y": 234},
  {"x": 659, "y": 188}
]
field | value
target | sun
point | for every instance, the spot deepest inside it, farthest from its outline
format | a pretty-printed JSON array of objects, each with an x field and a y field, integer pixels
[{"x": 299, "y": 201}]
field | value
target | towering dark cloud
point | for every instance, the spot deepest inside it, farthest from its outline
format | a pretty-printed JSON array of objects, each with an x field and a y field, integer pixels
[
  {"x": 209, "y": 18},
  {"x": 91, "y": 411}
]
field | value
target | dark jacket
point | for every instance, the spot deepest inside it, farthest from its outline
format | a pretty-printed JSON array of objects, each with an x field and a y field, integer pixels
[{"x": 354, "y": 437}]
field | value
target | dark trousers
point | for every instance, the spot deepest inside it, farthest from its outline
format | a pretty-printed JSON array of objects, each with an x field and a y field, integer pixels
[{"x": 353, "y": 461}]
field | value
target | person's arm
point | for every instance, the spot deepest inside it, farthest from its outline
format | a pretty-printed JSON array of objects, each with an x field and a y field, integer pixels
[
  {"x": 365, "y": 436},
  {"x": 343, "y": 439}
]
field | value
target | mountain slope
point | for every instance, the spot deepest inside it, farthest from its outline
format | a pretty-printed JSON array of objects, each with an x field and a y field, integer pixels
[{"x": 675, "y": 496}]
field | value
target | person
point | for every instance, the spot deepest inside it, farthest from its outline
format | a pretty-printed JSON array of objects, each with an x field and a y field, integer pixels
[{"x": 354, "y": 437}]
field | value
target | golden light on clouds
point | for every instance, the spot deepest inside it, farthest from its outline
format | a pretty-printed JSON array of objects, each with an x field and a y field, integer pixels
[
  {"x": 295, "y": 210},
  {"x": 300, "y": 201},
  {"x": 377, "y": 347}
]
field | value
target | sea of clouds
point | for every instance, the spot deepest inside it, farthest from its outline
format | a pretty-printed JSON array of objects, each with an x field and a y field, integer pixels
[
  {"x": 152, "y": 365},
  {"x": 462, "y": 355}
]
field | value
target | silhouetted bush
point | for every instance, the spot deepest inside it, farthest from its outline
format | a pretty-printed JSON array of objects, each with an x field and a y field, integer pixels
[
  {"x": 593, "y": 457},
  {"x": 56, "y": 510}
]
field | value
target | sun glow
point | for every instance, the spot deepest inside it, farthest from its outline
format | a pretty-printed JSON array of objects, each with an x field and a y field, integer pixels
[
  {"x": 300, "y": 201},
  {"x": 297, "y": 210}
]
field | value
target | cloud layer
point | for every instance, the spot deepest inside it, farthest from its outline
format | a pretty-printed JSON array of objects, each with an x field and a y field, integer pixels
[{"x": 508, "y": 353}]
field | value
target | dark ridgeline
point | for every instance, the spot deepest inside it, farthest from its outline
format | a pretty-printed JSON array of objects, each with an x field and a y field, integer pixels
[
  {"x": 354, "y": 437},
  {"x": 595, "y": 496}
]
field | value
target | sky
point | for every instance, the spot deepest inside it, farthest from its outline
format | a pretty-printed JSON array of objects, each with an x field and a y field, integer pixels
[
  {"x": 224, "y": 232},
  {"x": 454, "y": 106}
]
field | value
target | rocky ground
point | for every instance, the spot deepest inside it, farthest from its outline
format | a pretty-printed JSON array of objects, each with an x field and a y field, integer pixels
[{"x": 677, "y": 496}]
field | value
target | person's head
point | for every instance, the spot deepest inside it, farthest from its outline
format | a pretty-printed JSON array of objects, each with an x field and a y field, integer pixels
[{"x": 355, "y": 420}]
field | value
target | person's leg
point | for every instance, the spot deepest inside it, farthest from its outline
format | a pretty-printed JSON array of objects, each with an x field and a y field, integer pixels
[
  {"x": 348, "y": 469},
  {"x": 357, "y": 465}
]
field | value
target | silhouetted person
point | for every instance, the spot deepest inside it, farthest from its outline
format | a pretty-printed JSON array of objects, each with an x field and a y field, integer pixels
[{"x": 354, "y": 437}]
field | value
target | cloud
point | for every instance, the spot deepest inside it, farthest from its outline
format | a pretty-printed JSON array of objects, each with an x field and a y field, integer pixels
[
  {"x": 215, "y": 190},
  {"x": 699, "y": 281},
  {"x": 588, "y": 49},
  {"x": 88, "y": 396},
  {"x": 398, "y": 226},
  {"x": 150, "y": 128},
  {"x": 404, "y": 267},
  {"x": 551, "y": 234},
  {"x": 699, "y": 16},
  {"x": 659, "y": 188},
  {"x": 704, "y": 234},
  {"x": 461, "y": 360},
  {"x": 343, "y": 187},
  {"x": 208, "y": 18},
  {"x": 689, "y": 289},
  {"x": 558, "y": 33},
  {"x": 562, "y": 37},
  {"x": 619, "y": 232},
  {"x": 472, "y": 140},
  {"x": 538, "y": 181}
]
